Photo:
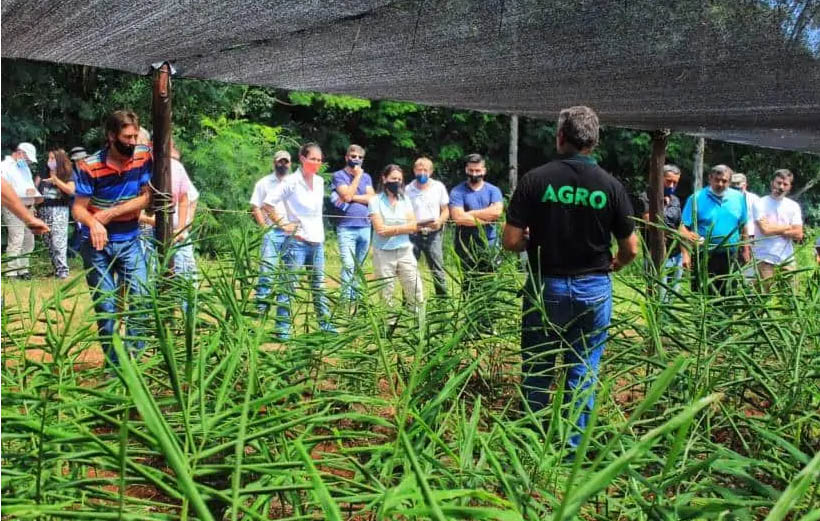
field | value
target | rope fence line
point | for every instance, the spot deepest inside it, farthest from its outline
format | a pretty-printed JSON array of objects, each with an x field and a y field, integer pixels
[{"x": 250, "y": 213}]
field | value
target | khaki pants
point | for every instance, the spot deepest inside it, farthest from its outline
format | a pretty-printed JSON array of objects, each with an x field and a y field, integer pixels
[
  {"x": 768, "y": 270},
  {"x": 20, "y": 243},
  {"x": 401, "y": 263}
]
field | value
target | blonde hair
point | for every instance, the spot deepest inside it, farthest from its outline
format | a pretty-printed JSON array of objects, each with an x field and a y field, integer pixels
[{"x": 423, "y": 161}]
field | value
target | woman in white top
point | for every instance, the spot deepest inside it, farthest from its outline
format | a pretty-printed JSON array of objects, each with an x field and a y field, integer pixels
[{"x": 393, "y": 221}]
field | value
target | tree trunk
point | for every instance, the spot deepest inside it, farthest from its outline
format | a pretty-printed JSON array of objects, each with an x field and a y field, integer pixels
[
  {"x": 513, "y": 152},
  {"x": 697, "y": 172},
  {"x": 657, "y": 245},
  {"x": 161, "y": 176}
]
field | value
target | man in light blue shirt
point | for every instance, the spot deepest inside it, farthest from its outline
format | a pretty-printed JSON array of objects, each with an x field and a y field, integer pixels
[{"x": 715, "y": 217}]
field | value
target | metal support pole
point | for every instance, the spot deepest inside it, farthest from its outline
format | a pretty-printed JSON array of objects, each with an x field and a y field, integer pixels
[
  {"x": 513, "y": 152},
  {"x": 657, "y": 245},
  {"x": 161, "y": 176}
]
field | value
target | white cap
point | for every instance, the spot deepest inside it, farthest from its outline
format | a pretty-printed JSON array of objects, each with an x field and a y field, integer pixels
[{"x": 29, "y": 150}]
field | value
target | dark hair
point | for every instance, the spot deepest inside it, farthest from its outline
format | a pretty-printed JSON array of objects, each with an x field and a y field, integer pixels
[
  {"x": 474, "y": 158},
  {"x": 305, "y": 149},
  {"x": 721, "y": 170},
  {"x": 784, "y": 173},
  {"x": 386, "y": 171},
  {"x": 64, "y": 171},
  {"x": 120, "y": 119},
  {"x": 579, "y": 126}
]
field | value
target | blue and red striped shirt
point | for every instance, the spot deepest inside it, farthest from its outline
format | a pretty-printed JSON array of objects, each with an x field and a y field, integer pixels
[{"x": 108, "y": 186}]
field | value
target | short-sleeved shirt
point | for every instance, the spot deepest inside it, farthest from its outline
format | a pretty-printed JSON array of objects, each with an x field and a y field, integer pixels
[
  {"x": 776, "y": 249},
  {"x": 303, "y": 205},
  {"x": 391, "y": 216},
  {"x": 427, "y": 202},
  {"x": 181, "y": 185},
  {"x": 52, "y": 195},
  {"x": 355, "y": 214},
  {"x": 752, "y": 229},
  {"x": 572, "y": 208},
  {"x": 261, "y": 190},
  {"x": 465, "y": 197},
  {"x": 20, "y": 179},
  {"x": 107, "y": 186},
  {"x": 671, "y": 215},
  {"x": 719, "y": 219}
]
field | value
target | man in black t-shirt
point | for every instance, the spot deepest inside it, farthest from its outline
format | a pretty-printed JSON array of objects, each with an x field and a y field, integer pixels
[{"x": 571, "y": 208}]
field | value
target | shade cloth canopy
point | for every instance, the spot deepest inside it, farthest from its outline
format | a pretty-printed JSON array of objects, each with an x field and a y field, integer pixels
[{"x": 737, "y": 70}]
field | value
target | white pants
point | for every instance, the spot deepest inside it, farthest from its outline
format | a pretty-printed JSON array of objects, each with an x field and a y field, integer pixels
[
  {"x": 401, "y": 263},
  {"x": 20, "y": 244}
]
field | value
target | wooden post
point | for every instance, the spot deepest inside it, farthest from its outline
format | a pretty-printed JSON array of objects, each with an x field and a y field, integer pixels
[
  {"x": 513, "y": 152},
  {"x": 657, "y": 245},
  {"x": 697, "y": 171},
  {"x": 161, "y": 176}
]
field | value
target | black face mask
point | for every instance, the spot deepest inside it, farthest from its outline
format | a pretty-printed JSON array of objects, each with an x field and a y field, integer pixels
[
  {"x": 122, "y": 148},
  {"x": 281, "y": 170},
  {"x": 475, "y": 179},
  {"x": 393, "y": 187}
]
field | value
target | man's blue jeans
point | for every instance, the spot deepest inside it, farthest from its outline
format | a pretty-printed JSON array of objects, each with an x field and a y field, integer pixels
[
  {"x": 303, "y": 255},
  {"x": 353, "y": 246},
  {"x": 272, "y": 253},
  {"x": 569, "y": 315},
  {"x": 125, "y": 261},
  {"x": 672, "y": 273}
]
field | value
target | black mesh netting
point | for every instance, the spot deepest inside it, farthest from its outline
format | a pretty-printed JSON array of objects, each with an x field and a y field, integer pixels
[{"x": 745, "y": 71}]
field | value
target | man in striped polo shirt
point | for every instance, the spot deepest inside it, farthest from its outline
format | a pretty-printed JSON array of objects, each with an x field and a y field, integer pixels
[{"x": 111, "y": 189}]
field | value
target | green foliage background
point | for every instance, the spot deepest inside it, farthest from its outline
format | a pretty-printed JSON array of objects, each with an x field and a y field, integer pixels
[{"x": 227, "y": 133}]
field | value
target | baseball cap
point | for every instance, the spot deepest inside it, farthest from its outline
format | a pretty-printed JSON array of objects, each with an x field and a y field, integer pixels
[
  {"x": 29, "y": 150},
  {"x": 281, "y": 154},
  {"x": 738, "y": 179},
  {"x": 77, "y": 153}
]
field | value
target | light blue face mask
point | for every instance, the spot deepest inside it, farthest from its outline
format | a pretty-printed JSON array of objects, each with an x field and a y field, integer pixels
[
  {"x": 22, "y": 165},
  {"x": 423, "y": 178}
]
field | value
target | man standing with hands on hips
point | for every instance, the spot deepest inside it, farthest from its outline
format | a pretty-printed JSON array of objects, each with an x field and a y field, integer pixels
[{"x": 572, "y": 209}]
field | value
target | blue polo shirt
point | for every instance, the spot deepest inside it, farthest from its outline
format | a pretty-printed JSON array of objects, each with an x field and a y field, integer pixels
[
  {"x": 464, "y": 196},
  {"x": 719, "y": 218},
  {"x": 356, "y": 214}
]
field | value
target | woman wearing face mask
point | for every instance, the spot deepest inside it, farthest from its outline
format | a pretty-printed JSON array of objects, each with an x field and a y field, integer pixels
[
  {"x": 57, "y": 190},
  {"x": 394, "y": 220},
  {"x": 302, "y": 196}
]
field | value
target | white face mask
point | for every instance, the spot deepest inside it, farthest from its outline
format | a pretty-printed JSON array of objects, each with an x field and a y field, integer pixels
[{"x": 52, "y": 164}]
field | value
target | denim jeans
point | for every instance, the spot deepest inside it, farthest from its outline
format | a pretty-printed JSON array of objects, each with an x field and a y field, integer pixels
[
  {"x": 125, "y": 260},
  {"x": 353, "y": 246},
  {"x": 569, "y": 314},
  {"x": 672, "y": 273},
  {"x": 185, "y": 266},
  {"x": 302, "y": 254},
  {"x": 272, "y": 252},
  {"x": 431, "y": 245}
]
